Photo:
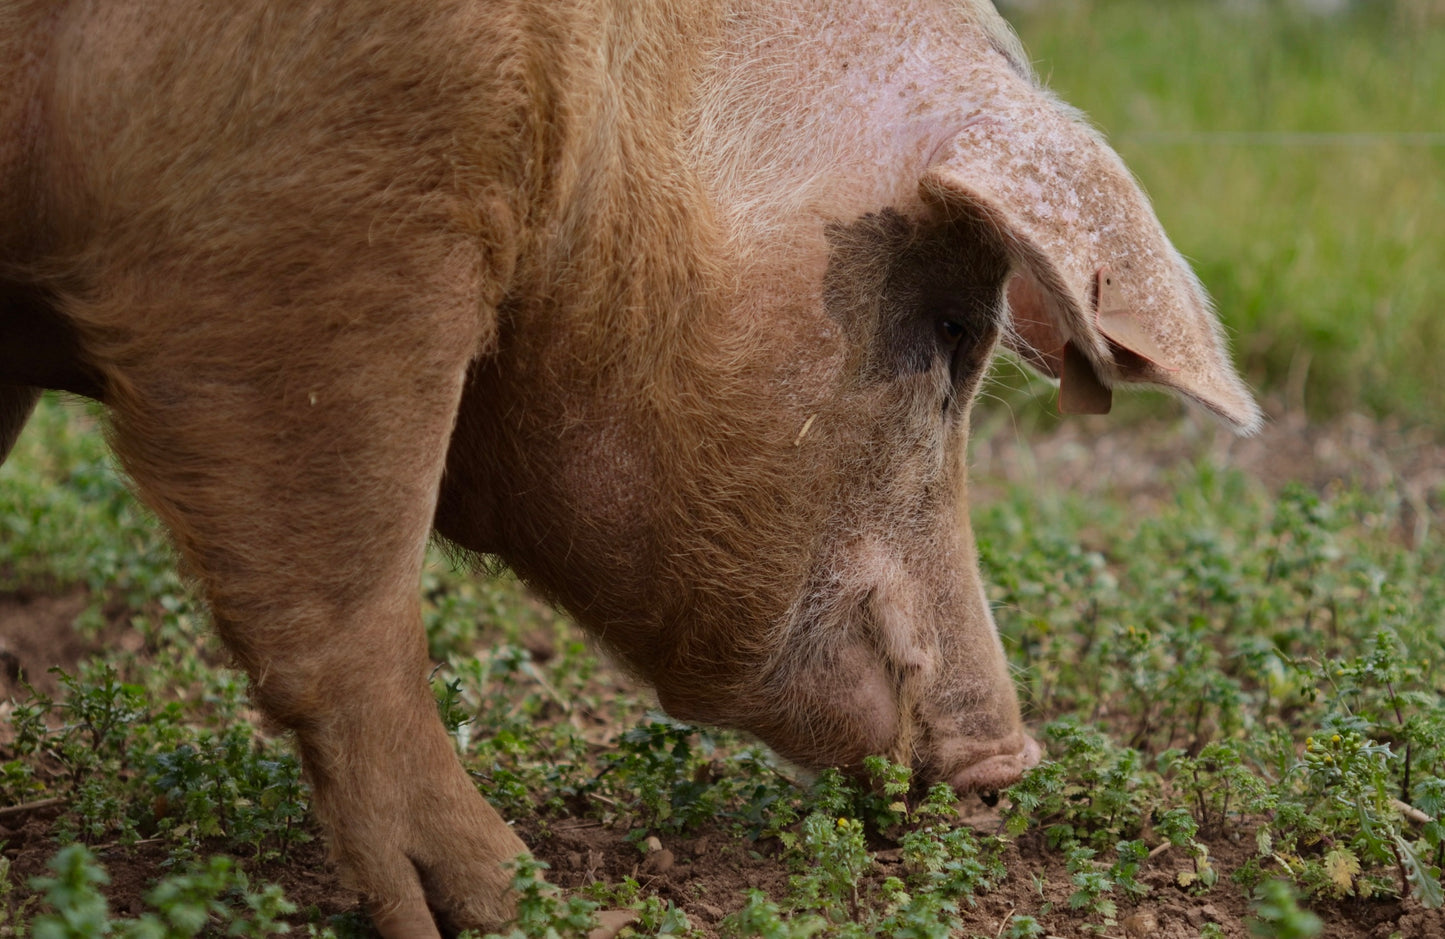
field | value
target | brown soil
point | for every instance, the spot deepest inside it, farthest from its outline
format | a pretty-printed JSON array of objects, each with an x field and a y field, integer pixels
[
  {"x": 306, "y": 876},
  {"x": 36, "y": 634},
  {"x": 707, "y": 872}
]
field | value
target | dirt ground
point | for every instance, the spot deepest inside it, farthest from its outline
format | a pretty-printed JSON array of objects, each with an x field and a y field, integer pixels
[{"x": 707, "y": 873}]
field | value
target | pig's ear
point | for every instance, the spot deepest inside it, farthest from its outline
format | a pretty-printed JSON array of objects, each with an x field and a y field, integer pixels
[{"x": 1098, "y": 297}]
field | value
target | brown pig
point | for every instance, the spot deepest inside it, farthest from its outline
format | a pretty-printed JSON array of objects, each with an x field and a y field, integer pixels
[{"x": 677, "y": 306}]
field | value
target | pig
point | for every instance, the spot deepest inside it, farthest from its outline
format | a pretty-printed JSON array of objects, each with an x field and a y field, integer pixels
[{"x": 678, "y": 307}]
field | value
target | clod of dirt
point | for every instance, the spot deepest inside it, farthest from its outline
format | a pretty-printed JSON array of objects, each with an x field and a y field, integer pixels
[
  {"x": 611, "y": 922},
  {"x": 659, "y": 862},
  {"x": 1141, "y": 924}
]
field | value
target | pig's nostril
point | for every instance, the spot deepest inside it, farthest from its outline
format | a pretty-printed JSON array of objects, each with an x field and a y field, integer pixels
[{"x": 989, "y": 797}]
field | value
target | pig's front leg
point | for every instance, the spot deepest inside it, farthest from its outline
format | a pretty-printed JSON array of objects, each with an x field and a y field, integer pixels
[{"x": 297, "y": 463}]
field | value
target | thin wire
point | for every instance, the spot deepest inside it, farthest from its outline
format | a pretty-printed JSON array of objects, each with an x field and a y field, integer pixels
[{"x": 1257, "y": 138}]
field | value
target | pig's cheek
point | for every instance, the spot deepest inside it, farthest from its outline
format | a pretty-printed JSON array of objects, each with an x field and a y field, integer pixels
[
  {"x": 851, "y": 710},
  {"x": 833, "y": 711},
  {"x": 872, "y": 712}
]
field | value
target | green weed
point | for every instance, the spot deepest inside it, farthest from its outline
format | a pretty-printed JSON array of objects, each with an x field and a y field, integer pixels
[
  {"x": 542, "y": 911},
  {"x": 212, "y": 897}
]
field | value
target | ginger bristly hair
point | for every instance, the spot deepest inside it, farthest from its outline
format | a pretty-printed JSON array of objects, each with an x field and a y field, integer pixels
[{"x": 664, "y": 204}]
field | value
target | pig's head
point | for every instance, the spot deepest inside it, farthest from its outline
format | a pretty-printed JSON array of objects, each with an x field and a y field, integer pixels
[{"x": 746, "y": 474}]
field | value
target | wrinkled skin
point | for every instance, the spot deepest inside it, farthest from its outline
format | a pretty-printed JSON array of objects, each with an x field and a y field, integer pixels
[{"x": 678, "y": 308}]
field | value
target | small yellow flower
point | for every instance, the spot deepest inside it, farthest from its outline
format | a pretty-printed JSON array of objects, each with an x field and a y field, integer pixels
[{"x": 1335, "y": 738}]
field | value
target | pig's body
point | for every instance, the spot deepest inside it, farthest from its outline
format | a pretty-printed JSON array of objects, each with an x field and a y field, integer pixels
[{"x": 677, "y": 307}]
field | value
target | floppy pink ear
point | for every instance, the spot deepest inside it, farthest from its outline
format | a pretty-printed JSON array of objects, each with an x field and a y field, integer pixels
[{"x": 1099, "y": 296}]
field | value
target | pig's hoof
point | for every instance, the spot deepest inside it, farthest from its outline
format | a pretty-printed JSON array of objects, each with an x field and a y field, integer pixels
[
  {"x": 999, "y": 771},
  {"x": 409, "y": 920},
  {"x": 463, "y": 884}
]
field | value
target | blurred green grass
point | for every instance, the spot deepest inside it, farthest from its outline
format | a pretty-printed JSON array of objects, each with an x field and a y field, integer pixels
[{"x": 1298, "y": 160}]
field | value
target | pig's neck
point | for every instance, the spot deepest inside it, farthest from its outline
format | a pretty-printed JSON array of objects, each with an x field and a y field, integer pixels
[
  {"x": 623, "y": 248},
  {"x": 25, "y": 33}
]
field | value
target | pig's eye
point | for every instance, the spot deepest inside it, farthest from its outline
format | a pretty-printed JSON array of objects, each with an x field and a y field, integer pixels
[{"x": 950, "y": 331}]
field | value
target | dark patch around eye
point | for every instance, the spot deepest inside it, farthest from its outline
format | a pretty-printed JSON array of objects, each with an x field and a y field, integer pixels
[{"x": 914, "y": 296}]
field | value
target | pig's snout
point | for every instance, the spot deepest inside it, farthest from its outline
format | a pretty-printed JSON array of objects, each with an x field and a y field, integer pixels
[{"x": 1001, "y": 769}]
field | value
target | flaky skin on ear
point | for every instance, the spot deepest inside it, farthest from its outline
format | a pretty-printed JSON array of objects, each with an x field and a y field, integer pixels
[{"x": 1099, "y": 296}]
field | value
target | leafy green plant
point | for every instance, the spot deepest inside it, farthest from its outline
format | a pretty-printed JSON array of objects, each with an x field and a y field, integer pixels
[
  {"x": 213, "y": 896},
  {"x": 762, "y": 918},
  {"x": 1023, "y": 926},
  {"x": 1217, "y": 784},
  {"x": 831, "y": 856},
  {"x": 660, "y": 767},
  {"x": 542, "y": 911},
  {"x": 1091, "y": 792},
  {"x": 1278, "y": 914},
  {"x": 224, "y": 785}
]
